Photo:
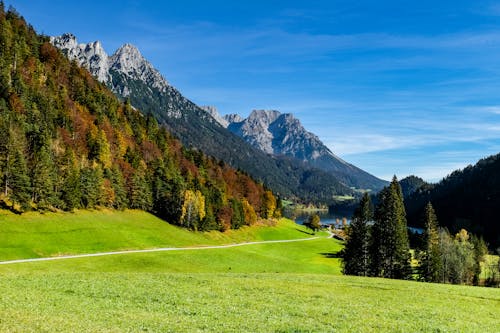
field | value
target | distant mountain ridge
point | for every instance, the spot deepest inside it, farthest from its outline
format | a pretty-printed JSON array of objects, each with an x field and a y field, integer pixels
[
  {"x": 281, "y": 134},
  {"x": 131, "y": 76}
]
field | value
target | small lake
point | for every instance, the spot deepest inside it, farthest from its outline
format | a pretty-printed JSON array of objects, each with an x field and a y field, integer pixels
[{"x": 300, "y": 216}]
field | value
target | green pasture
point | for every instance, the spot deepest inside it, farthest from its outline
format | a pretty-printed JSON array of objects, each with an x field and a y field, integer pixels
[
  {"x": 34, "y": 235},
  {"x": 273, "y": 287}
]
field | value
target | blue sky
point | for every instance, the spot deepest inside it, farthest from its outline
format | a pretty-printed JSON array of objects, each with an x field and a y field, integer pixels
[{"x": 394, "y": 87}]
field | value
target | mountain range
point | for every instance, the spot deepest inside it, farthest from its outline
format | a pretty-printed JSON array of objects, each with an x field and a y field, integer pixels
[
  {"x": 130, "y": 76},
  {"x": 281, "y": 134}
]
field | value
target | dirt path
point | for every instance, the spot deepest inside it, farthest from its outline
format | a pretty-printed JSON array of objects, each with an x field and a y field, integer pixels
[{"x": 100, "y": 254}]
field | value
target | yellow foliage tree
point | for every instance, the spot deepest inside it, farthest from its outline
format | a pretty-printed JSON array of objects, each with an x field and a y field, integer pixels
[
  {"x": 193, "y": 209},
  {"x": 268, "y": 205},
  {"x": 250, "y": 216}
]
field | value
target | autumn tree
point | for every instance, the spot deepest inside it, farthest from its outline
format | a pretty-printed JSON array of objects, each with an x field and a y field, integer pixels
[
  {"x": 193, "y": 209},
  {"x": 268, "y": 205},
  {"x": 249, "y": 213},
  {"x": 313, "y": 222}
]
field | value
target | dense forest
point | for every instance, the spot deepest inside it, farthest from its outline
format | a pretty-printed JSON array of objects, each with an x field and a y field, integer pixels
[
  {"x": 67, "y": 142},
  {"x": 466, "y": 199},
  {"x": 377, "y": 244}
]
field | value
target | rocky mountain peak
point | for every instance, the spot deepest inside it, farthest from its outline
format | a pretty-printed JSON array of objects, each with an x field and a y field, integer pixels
[
  {"x": 65, "y": 41},
  {"x": 233, "y": 118},
  {"x": 91, "y": 56},
  {"x": 128, "y": 58},
  {"x": 127, "y": 61},
  {"x": 263, "y": 116},
  {"x": 212, "y": 110},
  {"x": 279, "y": 134}
]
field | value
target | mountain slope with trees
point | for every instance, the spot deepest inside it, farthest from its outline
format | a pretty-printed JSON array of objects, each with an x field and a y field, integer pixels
[
  {"x": 412, "y": 184},
  {"x": 466, "y": 199},
  {"x": 67, "y": 142},
  {"x": 130, "y": 76}
]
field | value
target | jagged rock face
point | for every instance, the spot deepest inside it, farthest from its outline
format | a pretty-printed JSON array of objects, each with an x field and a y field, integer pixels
[
  {"x": 279, "y": 134},
  {"x": 283, "y": 135},
  {"x": 129, "y": 61},
  {"x": 126, "y": 61},
  {"x": 212, "y": 110},
  {"x": 92, "y": 56},
  {"x": 233, "y": 118}
]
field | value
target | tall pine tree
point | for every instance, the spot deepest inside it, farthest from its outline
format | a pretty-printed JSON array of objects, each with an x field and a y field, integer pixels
[
  {"x": 430, "y": 263},
  {"x": 355, "y": 255},
  {"x": 20, "y": 181},
  {"x": 390, "y": 250}
]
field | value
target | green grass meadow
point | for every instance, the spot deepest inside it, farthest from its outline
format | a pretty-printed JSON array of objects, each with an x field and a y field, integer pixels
[
  {"x": 275, "y": 287},
  {"x": 34, "y": 235}
]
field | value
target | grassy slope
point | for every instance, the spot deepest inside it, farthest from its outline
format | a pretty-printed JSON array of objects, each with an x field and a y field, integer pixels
[
  {"x": 286, "y": 287},
  {"x": 33, "y": 235}
]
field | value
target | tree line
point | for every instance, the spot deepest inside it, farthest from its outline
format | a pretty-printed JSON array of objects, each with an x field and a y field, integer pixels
[
  {"x": 67, "y": 142},
  {"x": 377, "y": 245},
  {"x": 465, "y": 199}
]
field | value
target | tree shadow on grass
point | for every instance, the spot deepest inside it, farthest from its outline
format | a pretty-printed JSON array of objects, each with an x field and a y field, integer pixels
[
  {"x": 331, "y": 255},
  {"x": 305, "y": 232}
]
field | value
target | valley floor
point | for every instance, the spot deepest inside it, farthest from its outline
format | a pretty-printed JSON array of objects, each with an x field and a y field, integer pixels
[{"x": 270, "y": 287}]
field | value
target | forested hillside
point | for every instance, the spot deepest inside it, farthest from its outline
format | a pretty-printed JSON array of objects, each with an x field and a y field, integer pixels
[
  {"x": 467, "y": 198},
  {"x": 130, "y": 76},
  {"x": 67, "y": 142},
  {"x": 411, "y": 184}
]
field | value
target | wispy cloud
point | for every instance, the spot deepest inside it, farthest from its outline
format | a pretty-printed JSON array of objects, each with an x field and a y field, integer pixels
[{"x": 388, "y": 92}]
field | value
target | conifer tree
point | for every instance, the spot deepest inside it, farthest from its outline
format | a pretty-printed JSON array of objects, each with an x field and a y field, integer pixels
[
  {"x": 118, "y": 183},
  {"x": 355, "y": 254},
  {"x": 238, "y": 218},
  {"x": 91, "y": 179},
  {"x": 42, "y": 178},
  {"x": 20, "y": 183},
  {"x": 171, "y": 207},
  {"x": 430, "y": 265},
  {"x": 480, "y": 252},
  {"x": 70, "y": 179},
  {"x": 390, "y": 251},
  {"x": 140, "y": 191}
]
